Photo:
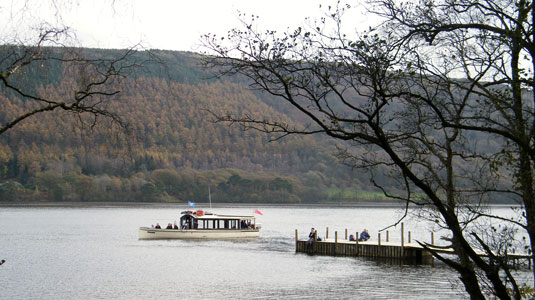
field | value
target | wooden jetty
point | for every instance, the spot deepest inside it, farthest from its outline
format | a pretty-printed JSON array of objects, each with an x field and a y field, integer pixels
[
  {"x": 365, "y": 249},
  {"x": 402, "y": 251}
]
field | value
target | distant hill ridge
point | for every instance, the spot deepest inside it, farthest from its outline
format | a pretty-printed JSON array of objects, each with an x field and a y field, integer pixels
[{"x": 171, "y": 151}]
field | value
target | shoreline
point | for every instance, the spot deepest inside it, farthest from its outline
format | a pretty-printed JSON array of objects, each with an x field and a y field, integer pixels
[
  {"x": 200, "y": 205},
  {"x": 205, "y": 205}
]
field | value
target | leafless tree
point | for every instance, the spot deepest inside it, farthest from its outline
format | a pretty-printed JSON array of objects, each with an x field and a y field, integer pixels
[
  {"x": 26, "y": 64},
  {"x": 405, "y": 99}
]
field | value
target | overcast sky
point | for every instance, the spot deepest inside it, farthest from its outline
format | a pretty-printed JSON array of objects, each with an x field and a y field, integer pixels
[{"x": 161, "y": 24}]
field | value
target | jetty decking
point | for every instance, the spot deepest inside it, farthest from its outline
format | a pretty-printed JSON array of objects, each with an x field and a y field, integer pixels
[
  {"x": 366, "y": 249},
  {"x": 404, "y": 251}
]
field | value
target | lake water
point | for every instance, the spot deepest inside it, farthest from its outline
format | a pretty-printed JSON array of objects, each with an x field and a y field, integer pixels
[{"x": 94, "y": 253}]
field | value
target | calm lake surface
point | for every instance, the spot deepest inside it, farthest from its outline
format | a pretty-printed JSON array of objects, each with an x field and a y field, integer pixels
[{"x": 94, "y": 253}]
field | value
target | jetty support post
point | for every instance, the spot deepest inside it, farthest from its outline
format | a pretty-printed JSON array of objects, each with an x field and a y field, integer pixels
[
  {"x": 296, "y": 239},
  {"x": 357, "y": 244},
  {"x": 402, "y": 238},
  {"x": 427, "y": 257},
  {"x": 379, "y": 239},
  {"x": 335, "y": 247},
  {"x": 432, "y": 238},
  {"x": 409, "y": 237},
  {"x": 387, "y": 236},
  {"x": 346, "y": 234},
  {"x": 327, "y": 233}
]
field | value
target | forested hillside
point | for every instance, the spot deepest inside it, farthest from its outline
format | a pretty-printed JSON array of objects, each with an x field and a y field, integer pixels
[{"x": 170, "y": 149}]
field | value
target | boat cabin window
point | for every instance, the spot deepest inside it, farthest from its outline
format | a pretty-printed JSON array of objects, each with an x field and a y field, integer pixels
[{"x": 189, "y": 221}]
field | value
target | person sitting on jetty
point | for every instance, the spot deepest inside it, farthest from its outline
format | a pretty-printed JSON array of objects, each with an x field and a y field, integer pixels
[
  {"x": 158, "y": 226},
  {"x": 351, "y": 237},
  {"x": 364, "y": 235},
  {"x": 169, "y": 226},
  {"x": 175, "y": 226}
]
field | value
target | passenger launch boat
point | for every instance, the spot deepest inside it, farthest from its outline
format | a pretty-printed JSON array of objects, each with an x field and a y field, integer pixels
[{"x": 203, "y": 225}]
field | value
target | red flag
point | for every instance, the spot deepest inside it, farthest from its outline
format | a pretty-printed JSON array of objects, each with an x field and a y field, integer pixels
[{"x": 256, "y": 211}]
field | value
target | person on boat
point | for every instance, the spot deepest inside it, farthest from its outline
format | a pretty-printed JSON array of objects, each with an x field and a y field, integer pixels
[
  {"x": 158, "y": 226},
  {"x": 364, "y": 235},
  {"x": 175, "y": 226},
  {"x": 186, "y": 225}
]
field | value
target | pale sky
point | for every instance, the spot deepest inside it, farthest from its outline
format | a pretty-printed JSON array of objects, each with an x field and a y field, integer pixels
[{"x": 161, "y": 24}]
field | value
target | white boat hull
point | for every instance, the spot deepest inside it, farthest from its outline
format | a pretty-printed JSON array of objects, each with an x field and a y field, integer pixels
[{"x": 146, "y": 233}]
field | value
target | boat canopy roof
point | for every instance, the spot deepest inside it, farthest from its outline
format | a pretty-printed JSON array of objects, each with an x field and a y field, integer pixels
[
  {"x": 210, "y": 216},
  {"x": 223, "y": 217}
]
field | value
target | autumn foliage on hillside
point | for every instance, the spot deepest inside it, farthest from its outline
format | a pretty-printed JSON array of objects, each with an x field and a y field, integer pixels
[{"x": 169, "y": 148}]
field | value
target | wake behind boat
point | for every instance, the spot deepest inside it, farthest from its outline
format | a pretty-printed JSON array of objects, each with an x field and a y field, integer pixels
[{"x": 203, "y": 225}]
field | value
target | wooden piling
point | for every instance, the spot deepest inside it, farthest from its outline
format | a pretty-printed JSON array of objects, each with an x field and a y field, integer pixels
[
  {"x": 409, "y": 237},
  {"x": 346, "y": 235},
  {"x": 387, "y": 237},
  {"x": 432, "y": 238},
  {"x": 379, "y": 239},
  {"x": 402, "y": 239},
  {"x": 336, "y": 237},
  {"x": 327, "y": 233},
  {"x": 296, "y": 239}
]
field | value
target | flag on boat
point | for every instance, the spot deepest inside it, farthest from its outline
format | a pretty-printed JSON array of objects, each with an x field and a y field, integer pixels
[
  {"x": 256, "y": 211},
  {"x": 192, "y": 204}
]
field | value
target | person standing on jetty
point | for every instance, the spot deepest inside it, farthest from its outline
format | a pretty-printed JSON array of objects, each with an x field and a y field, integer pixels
[{"x": 311, "y": 237}]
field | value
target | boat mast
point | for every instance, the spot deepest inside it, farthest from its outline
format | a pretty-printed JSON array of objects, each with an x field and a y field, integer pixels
[{"x": 209, "y": 197}]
